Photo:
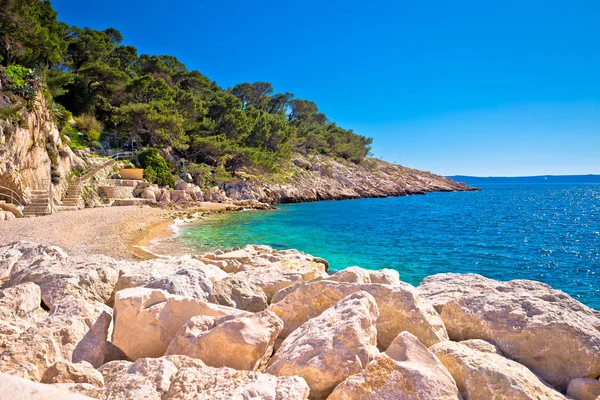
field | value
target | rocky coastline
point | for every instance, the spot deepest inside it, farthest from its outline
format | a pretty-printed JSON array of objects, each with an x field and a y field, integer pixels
[{"x": 253, "y": 322}]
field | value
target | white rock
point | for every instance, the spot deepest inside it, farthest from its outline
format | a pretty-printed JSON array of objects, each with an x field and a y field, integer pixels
[
  {"x": 483, "y": 375},
  {"x": 146, "y": 320},
  {"x": 243, "y": 342},
  {"x": 327, "y": 349},
  {"x": 552, "y": 334},
  {"x": 407, "y": 370},
  {"x": 399, "y": 307},
  {"x": 74, "y": 331}
]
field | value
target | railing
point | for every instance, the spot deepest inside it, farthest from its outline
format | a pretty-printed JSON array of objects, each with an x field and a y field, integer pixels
[{"x": 12, "y": 197}]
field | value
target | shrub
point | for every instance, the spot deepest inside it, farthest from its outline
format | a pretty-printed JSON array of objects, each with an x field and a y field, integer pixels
[
  {"x": 22, "y": 81},
  {"x": 76, "y": 140},
  {"x": 17, "y": 75},
  {"x": 221, "y": 175},
  {"x": 96, "y": 145},
  {"x": 87, "y": 123},
  {"x": 93, "y": 135},
  {"x": 55, "y": 177},
  {"x": 156, "y": 168}
]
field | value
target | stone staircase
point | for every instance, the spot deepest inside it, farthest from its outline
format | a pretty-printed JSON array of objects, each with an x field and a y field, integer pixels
[
  {"x": 39, "y": 205},
  {"x": 72, "y": 199}
]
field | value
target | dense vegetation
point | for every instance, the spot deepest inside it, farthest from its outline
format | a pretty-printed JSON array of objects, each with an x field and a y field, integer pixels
[{"x": 119, "y": 97}]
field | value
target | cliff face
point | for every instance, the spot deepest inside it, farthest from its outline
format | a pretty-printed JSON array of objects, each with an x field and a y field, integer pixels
[
  {"x": 31, "y": 149},
  {"x": 313, "y": 178}
]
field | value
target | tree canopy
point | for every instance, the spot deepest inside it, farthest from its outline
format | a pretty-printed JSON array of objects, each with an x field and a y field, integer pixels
[{"x": 156, "y": 101}]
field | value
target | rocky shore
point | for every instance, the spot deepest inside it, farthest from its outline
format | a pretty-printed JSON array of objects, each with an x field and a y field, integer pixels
[{"x": 255, "y": 323}]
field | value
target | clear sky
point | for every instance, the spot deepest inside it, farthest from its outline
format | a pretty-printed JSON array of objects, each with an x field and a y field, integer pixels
[{"x": 485, "y": 88}]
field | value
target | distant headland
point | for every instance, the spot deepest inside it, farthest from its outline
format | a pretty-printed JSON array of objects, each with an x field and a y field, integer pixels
[{"x": 480, "y": 180}]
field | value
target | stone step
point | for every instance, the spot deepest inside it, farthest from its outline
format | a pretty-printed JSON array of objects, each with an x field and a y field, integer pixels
[
  {"x": 67, "y": 208},
  {"x": 130, "y": 202}
]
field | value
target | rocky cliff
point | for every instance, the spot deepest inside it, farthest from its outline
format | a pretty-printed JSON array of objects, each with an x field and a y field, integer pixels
[
  {"x": 32, "y": 152},
  {"x": 314, "y": 178}
]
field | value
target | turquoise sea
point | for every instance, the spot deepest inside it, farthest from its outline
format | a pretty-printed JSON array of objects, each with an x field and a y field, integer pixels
[{"x": 545, "y": 232}]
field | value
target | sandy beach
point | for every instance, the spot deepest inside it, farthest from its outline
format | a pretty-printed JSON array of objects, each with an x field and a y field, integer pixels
[
  {"x": 113, "y": 231},
  {"x": 118, "y": 232}
]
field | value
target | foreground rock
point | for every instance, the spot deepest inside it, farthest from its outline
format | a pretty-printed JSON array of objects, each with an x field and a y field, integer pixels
[
  {"x": 360, "y": 275},
  {"x": 238, "y": 293},
  {"x": 14, "y": 388},
  {"x": 329, "y": 348},
  {"x": 66, "y": 372},
  {"x": 183, "y": 276},
  {"x": 400, "y": 309},
  {"x": 552, "y": 334},
  {"x": 74, "y": 331},
  {"x": 22, "y": 254},
  {"x": 146, "y": 320},
  {"x": 90, "y": 278},
  {"x": 19, "y": 310},
  {"x": 282, "y": 274},
  {"x": 584, "y": 389},
  {"x": 180, "y": 377},
  {"x": 242, "y": 343},
  {"x": 482, "y": 375},
  {"x": 226, "y": 384},
  {"x": 407, "y": 370},
  {"x": 255, "y": 256}
]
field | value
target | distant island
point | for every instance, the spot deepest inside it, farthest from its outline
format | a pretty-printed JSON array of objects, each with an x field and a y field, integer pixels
[{"x": 499, "y": 180}]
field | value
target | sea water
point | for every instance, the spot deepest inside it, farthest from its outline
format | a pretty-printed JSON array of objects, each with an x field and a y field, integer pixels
[{"x": 545, "y": 232}]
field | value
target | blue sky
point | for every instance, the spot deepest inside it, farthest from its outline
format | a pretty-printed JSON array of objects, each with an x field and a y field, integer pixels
[{"x": 485, "y": 88}]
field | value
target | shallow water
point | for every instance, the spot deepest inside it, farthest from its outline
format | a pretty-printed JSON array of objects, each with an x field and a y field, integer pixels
[{"x": 549, "y": 233}]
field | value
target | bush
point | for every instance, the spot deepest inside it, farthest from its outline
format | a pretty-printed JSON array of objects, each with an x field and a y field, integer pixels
[
  {"x": 18, "y": 75},
  {"x": 22, "y": 81},
  {"x": 76, "y": 140},
  {"x": 221, "y": 175},
  {"x": 93, "y": 135},
  {"x": 55, "y": 177},
  {"x": 156, "y": 168},
  {"x": 87, "y": 123},
  {"x": 96, "y": 145}
]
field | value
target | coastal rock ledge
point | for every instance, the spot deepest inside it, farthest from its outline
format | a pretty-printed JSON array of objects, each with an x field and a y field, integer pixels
[{"x": 256, "y": 323}]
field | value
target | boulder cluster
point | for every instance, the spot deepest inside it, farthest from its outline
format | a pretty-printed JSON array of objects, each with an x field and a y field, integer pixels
[{"x": 256, "y": 323}]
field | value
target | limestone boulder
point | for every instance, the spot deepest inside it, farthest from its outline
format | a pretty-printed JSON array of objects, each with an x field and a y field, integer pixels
[
  {"x": 19, "y": 310},
  {"x": 84, "y": 389},
  {"x": 483, "y": 375},
  {"x": 281, "y": 274},
  {"x": 22, "y": 254},
  {"x": 242, "y": 343},
  {"x": 181, "y": 377},
  {"x": 330, "y": 347},
  {"x": 146, "y": 320},
  {"x": 546, "y": 330},
  {"x": 238, "y": 293},
  {"x": 67, "y": 372},
  {"x": 227, "y": 383},
  {"x": 407, "y": 370},
  {"x": 256, "y": 256},
  {"x": 15, "y": 388},
  {"x": 147, "y": 378},
  {"x": 399, "y": 307},
  {"x": 183, "y": 276},
  {"x": 74, "y": 331},
  {"x": 90, "y": 277},
  {"x": 584, "y": 389},
  {"x": 481, "y": 345},
  {"x": 361, "y": 275}
]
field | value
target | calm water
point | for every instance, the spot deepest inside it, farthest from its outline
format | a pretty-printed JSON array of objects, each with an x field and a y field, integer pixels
[{"x": 549, "y": 233}]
